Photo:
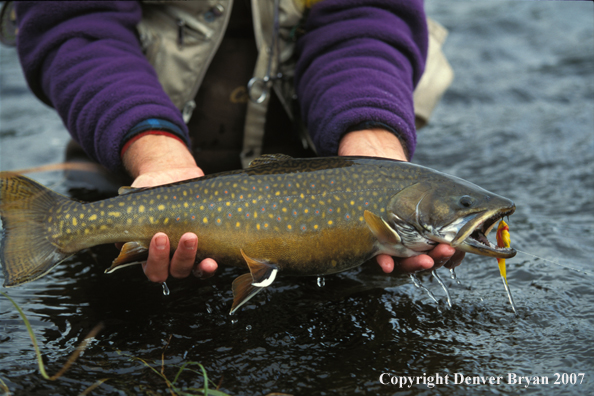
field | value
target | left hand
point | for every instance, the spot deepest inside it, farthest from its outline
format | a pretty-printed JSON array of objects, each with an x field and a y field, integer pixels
[
  {"x": 378, "y": 142},
  {"x": 155, "y": 160}
]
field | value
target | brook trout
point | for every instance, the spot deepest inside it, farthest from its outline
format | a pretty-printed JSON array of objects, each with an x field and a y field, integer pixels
[{"x": 313, "y": 216}]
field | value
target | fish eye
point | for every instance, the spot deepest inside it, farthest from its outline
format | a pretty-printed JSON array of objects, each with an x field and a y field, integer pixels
[{"x": 466, "y": 201}]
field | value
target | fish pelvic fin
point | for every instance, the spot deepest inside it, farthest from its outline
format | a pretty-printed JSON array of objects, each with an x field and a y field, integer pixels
[
  {"x": 246, "y": 286},
  {"x": 27, "y": 249},
  {"x": 131, "y": 253},
  {"x": 380, "y": 229}
]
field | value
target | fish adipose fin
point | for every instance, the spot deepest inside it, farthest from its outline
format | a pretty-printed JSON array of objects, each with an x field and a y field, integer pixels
[
  {"x": 382, "y": 231},
  {"x": 27, "y": 250},
  {"x": 131, "y": 253},
  {"x": 246, "y": 286}
]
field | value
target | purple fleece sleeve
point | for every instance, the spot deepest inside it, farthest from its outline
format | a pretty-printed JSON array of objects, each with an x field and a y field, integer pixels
[
  {"x": 85, "y": 59},
  {"x": 358, "y": 64}
]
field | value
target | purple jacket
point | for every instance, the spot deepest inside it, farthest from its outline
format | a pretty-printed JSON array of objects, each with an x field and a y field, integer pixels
[{"x": 358, "y": 64}]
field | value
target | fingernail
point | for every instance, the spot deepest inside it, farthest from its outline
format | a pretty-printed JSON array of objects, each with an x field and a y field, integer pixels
[
  {"x": 190, "y": 244},
  {"x": 161, "y": 242}
]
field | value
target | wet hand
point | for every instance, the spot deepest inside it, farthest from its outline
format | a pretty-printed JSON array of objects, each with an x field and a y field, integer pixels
[
  {"x": 155, "y": 160},
  {"x": 381, "y": 143},
  {"x": 183, "y": 263}
]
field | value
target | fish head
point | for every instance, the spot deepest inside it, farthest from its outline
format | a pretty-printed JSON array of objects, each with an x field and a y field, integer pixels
[{"x": 449, "y": 210}]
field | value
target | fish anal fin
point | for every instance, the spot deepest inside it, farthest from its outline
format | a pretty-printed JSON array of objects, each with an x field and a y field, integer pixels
[
  {"x": 378, "y": 226},
  {"x": 243, "y": 291},
  {"x": 263, "y": 273},
  {"x": 246, "y": 286},
  {"x": 131, "y": 253}
]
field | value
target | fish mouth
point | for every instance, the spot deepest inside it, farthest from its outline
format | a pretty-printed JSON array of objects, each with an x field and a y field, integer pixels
[{"x": 472, "y": 237}]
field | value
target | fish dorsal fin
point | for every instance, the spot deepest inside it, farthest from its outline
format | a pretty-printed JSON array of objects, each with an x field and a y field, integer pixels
[
  {"x": 269, "y": 158},
  {"x": 246, "y": 286},
  {"x": 382, "y": 231},
  {"x": 127, "y": 190},
  {"x": 131, "y": 253}
]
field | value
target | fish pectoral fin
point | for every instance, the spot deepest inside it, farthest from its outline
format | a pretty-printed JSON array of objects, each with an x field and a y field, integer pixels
[
  {"x": 243, "y": 290},
  {"x": 246, "y": 286},
  {"x": 131, "y": 253},
  {"x": 382, "y": 231}
]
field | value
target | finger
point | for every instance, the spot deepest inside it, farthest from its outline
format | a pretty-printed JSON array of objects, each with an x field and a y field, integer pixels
[
  {"x": 456, "y": 259},
  {"x": 385, "y": 262},
  {"x": 421, "y": 262},
  {"x": 441, "y": 254},
  {"x": 205, "y": 269},
  {"x": 156, "y": 267},
  {"x": 184, "y": 257}
]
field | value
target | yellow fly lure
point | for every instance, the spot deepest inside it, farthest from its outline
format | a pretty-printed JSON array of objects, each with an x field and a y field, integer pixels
[{"x": 503, "y": 240}]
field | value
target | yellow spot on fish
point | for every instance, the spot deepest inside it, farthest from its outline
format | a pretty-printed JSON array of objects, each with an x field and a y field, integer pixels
[
  {"x": 166, "y": 220},
  {"x": 67, "y": 216},
  {"x": 239, "y": 209},
  {"x": 289, "y": 226},
  {"x": 103, "y": 227},
  {"x": 122, "y": 203},
  {"x": 330, "y": 222},
  {"x": 161, "y": 207},
  {"x": 352, "y": 202},
  {"x": 237, "y": 224},
  {"x": 87, "y": 231},
  {"x": 82, "y": 216},
  {"x": 141, "y": 209},
  {"x": 333, "y": 262},
  {"x": 258, "y": 226},
  {"x": 315, "y": 226},
  {"x": 93, "y": 217},
  {"x": 74, "y": 222},
  {"x": 129, "y": 221},
  {"x": 114, "y": 214},
  {"x": 205, "y": 220}
]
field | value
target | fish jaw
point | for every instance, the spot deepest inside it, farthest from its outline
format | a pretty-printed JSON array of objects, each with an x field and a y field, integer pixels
[{"x": 472, "y": 237}]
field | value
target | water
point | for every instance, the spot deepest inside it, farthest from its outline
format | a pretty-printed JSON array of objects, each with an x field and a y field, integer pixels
[{"x": 519, "y": 121}]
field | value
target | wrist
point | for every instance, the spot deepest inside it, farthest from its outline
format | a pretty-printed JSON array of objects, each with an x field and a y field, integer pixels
[
  {"x": 156, "y": 152},
  {"x": 373, "y": 142}
]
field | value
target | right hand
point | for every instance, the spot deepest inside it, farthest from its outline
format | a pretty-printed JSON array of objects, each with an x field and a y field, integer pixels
[{"x": 154, "y": 160}]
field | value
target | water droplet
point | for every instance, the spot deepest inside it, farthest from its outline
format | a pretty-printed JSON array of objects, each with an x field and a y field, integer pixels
[
  {"x": 165, "y": 289},
  {"x": 418, "y": 284},
  {"x": 248, "y": 327},
  {"x": 233, "y": 321},
  {"x": 453, "y": 276},
  {"x": 321, "y": 281},
  {"x": 447, "y": 292}
]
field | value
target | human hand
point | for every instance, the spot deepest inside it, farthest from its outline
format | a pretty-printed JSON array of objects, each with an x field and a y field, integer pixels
[
  {"x": 381, "y": 143},
  {"x": 155, "y": 160}
]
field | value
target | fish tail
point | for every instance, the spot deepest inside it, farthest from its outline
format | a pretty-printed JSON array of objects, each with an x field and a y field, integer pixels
[{"x": 27, "y": 249}]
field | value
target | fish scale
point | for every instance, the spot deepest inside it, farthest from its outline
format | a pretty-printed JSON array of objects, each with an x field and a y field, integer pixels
[{"x": 314, "y": 216}]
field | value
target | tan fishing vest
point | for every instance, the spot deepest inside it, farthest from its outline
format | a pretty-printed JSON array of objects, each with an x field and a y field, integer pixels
[{"x": 180, "y": 39}]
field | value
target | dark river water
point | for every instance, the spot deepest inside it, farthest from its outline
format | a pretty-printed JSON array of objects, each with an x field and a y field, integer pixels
[{"x": 518, "y": 120}]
